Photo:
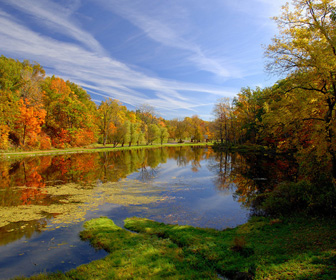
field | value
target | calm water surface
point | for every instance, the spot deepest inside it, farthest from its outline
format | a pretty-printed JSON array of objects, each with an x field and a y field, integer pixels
[{"x": 44, "y": 201}]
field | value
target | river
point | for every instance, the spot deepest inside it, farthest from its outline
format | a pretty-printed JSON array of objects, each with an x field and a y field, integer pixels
[{"x": 45, "y": 200}]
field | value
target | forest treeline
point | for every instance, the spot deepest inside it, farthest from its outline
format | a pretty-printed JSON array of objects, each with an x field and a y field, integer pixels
[
  {"x": 296, "y": 115},
  {"x": 39, "y": 112}
]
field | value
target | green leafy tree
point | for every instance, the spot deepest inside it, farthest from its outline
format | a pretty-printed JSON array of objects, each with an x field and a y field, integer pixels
[
  {"x": 124, "y": 132},
  {"x": 134, "y": 133},
  {"x": 163, "y": 136},
  {"x": 153, "y": 133}
]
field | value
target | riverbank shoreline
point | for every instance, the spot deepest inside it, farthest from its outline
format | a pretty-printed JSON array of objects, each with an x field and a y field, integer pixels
[{"x": 91, "y": 149}]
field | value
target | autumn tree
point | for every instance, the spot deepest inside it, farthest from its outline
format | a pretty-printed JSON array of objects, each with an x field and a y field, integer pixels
[
  {"x": 105, "y": 116},
  {"x": 19, "y": 82},
  {"x": 306, "y": 51},
  {"x": 8, "y": 113},
  {"x": 147, "y": 114},
  {"x": 196, "y": 128},
  {"x": 32, "y": 77},
  {"x": 248, "y": 111},
  {"x": 209, "y": 131},
  {"x": 223, "y": 114},
  {"x": 171, "y": 127},
  {"x": 29, "y": 123},
  {"x": 68, "y": 117},
  {"x": 180, "y": 129}
]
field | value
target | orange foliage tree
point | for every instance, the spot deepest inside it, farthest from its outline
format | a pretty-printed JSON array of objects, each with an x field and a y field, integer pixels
[
  {"x": 29, "y": 123},
  {"x": 70, "y": 120}
]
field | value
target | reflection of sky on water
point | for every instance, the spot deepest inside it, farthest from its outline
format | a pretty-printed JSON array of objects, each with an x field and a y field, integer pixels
[
  {"x": 60, "y": 249},
  {"x": 195, "y": 199},
  {"x": 185, "y": 197},
  {"x": 49, "y": 251}
]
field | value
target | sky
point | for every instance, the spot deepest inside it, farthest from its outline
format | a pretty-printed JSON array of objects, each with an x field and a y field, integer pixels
[{"x": 179, "y": 56}]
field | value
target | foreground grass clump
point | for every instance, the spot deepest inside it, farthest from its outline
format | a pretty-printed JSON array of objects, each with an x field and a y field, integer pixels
[
  {"x": 132, "y": 256},
  {"x": 259, "y": 249}
]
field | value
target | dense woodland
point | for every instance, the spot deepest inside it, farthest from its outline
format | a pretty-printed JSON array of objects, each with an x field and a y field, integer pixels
[
  {"x": 39, "y": 112},
  {"x": 295, "y": 116}
]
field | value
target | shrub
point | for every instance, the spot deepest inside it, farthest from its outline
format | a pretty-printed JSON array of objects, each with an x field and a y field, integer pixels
[{"x": 305, "y": 197}]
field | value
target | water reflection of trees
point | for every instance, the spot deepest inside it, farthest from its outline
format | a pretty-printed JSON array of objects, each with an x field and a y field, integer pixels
[
  {"x": 27, "y": 181},
  {"x": 226, "y": 167},
  {"x": 23, "y": 182},
  {"x": 250, "y": 174},
  {"x": 16, "y": 231}
]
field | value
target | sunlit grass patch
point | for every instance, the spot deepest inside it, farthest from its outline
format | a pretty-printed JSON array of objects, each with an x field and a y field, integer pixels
[
  {"x": 295, "y": 249},
  {"x": 292, "y": 249},
  {"x": 133, "y": 256}
]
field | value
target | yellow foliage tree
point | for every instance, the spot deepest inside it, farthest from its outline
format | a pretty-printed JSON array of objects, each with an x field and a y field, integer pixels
[{"x": 306, "y": 50}]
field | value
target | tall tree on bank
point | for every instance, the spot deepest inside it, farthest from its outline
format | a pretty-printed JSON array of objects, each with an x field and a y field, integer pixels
[
  {"x": 20, "y": 89},
  {"x": 223, "y": 114},
  {"x": 181, "y": 129},
  {"x": 153, "y": 133},
  {"x": 105, "y": 116},
  {"x": 306, "y": 50},
  {"x": 248, "y": 111},
  {"x": 163, "y": 134}
]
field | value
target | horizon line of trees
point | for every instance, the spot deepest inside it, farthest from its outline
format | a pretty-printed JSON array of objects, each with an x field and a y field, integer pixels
[{"x": 39, "y": 112}]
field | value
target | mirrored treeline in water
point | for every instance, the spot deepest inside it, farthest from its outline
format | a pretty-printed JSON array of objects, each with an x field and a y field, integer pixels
[{"x": 45, "y": 200}]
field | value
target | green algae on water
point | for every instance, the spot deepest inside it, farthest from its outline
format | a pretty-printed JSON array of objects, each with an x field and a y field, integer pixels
[{"x": 76, "y": 200}]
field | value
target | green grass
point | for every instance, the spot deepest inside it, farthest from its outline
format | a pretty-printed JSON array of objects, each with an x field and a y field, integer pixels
[
  {"x": 260, "y": 249},
  {"x": 90, "y": 149}
]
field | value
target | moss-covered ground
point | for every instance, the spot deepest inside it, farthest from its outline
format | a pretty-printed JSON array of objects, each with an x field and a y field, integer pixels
[{"x": 295, "y": 248}]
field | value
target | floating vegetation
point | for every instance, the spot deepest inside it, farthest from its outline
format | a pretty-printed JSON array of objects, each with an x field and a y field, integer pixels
[{"x": 76, "y": 200}]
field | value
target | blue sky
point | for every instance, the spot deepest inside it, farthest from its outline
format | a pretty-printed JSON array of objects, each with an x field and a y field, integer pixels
[{"x": 179, "y": 56}]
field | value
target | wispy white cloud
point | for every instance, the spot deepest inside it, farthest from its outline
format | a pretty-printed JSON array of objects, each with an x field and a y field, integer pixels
[
  {"x": 168, "y": 25},
  {"x": 58, "y": 18},
  {"x": 97, "y": 72}
]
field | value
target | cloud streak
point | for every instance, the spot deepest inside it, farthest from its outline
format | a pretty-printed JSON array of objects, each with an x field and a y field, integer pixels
[
  {"x": 155, "y": 24},
  {"x": 88, "y": 65},
  {"x": 57, "y": 18}
]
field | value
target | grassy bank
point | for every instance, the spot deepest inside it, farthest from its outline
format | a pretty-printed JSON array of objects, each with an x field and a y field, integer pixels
[
  {"x": 90, "y": 149},
  {"x": 260, "y": 249}
]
